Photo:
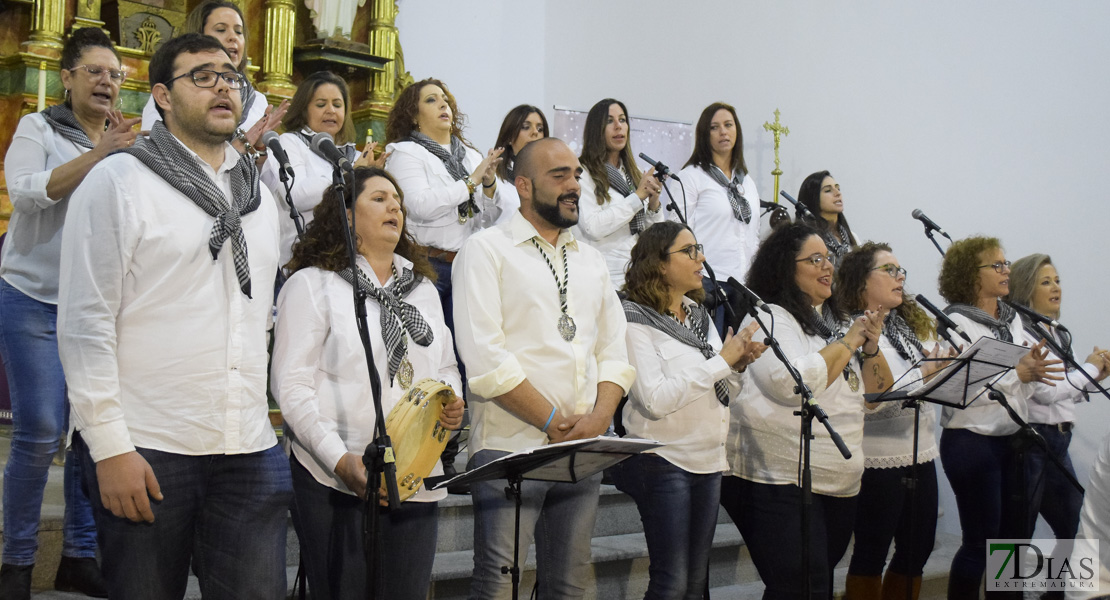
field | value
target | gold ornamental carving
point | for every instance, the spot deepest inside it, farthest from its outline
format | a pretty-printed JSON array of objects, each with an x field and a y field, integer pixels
[
  {"x": 48, "y": 24},
  {"x": 148, "y": 36},
  {"x": 277, "y": 59}
]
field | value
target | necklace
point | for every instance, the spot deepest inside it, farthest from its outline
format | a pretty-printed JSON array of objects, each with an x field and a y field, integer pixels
[{"x": 566, "y": 325}]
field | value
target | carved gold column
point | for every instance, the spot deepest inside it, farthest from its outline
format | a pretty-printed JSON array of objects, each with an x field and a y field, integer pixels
[
  {"x": 383, "y": 43},
  {"x": 88, "y": 14},
  {"x": 48, "y": 24},
  {"x": 277, "y": 60}
]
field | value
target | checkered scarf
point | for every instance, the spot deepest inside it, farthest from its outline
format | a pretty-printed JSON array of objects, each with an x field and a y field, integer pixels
[
  {"x": 1000, "y": 327},
  {"x": 621, "y": 182},
  {"x": 348, "y": 149},
  {"x": 741, "y": 209},
  {"x": 454, "y": 163},
  {"x": 169, "y": 159},
  {"x": 62, "y": 119}
]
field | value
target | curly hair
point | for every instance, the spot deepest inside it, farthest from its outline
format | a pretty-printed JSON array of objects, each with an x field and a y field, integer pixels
[
  {"x": 851, "y": 284},
  {"x": 644, "y": 282},
  {"x": 771, "y": 275},
  {"x": 1023, "y": 278},
  {"x": 510, "y": 128},
  {"x": 296, "y": 118},
  {"x": 702, "y": 156},
  {"x": 402, "y": 118},
  {"x": 958, "y": 281},
  {"x": 323, "y": 245},
  {"x": 809, "y": 194},
  {"x": 594, "y": 151}
]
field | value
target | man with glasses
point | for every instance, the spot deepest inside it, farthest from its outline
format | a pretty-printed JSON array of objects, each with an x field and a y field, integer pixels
[{"x": 167, "y": 271}]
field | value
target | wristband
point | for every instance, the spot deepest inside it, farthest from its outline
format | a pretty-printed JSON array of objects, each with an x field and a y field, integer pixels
[
  {"x": 865, "y": 356},
  {"x": 846, "y": 345},
  {"x": 490, "y": 185},
  {"x": 549, "y": 417}
]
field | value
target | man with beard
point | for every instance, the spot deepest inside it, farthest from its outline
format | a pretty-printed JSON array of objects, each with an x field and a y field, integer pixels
[
  {"x": 541, "y": 331},
  {"x": 167, "y": 269}
]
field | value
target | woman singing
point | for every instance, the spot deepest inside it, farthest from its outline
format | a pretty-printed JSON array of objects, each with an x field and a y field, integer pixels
[
  {"x": 685, "y": 380},
  {"x": 51, "y": 153},
  {"x": 762, "y": 492},
  {"x": 616, "y": 202},
  {"x": 820, "y": 193},
  {"x": 722, "y": 204},
  {"x": 523, "y": 124},
  {"x": 976, "y": 445},
  {"x": 870, "y": 277},
  {"x": 320, "y": 379}
]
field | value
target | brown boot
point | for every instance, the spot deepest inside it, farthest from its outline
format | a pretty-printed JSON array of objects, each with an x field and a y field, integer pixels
[
  {"x": 863, "y": 587},
  {"x": 894, "y": 586}
]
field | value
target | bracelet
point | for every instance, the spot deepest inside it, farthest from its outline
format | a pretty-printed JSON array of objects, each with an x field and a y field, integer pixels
[
  {"x": 549, "y": 417},
  {"x": 865, "y": 356},
  {"x": 490, "y": 185},
  {"x": 846, "y": 345},
  {"x": 470, "y": 185}
]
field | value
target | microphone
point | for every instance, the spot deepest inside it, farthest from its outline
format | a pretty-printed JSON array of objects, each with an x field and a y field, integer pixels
[
  {"x": 929, "y": 224},
  {"x": 798, "y": 206},
  {"x": 753, "y": 300},
  {"x": 768, "y": 205},
  {"x": 324, "y": 145},
  {"x": 270, "y": 138},
  {"x": 661, "y": 169},
  {"x": 944, "y": 319},
  {"x": 1036, "y": 316}
]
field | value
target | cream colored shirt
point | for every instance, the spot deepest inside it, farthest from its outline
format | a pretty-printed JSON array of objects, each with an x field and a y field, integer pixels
[{"x": 506, "y": 315}]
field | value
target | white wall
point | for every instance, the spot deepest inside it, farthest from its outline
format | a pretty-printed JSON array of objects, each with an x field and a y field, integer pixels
[{"x": 991, "y": 117}]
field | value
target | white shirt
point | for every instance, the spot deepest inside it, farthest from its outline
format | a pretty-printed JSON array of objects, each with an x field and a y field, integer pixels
[
  {"x": 985, "y": 416},
  {"x": 888, "y": 430},
  {"x": 1054, "y": 404},
  {"x": 432, "y": 196},
  {"x": 508, "y": 198},
  {"x": 763, "y": 439},
  {"x": 29, "y": 261},
  {"x": 506, "y": 314},
  {"x": 160, "y": 347},
  {"x": 606, "y": 226},
  {"x": 673, "y": 400},
  {"x": 1094, "y": 524},
  {"x": 313, "y": 175},
  {"x": 319, "y": 371},
  {"x": 730, "y": 243},
  {"x": 257, "y": 111}
]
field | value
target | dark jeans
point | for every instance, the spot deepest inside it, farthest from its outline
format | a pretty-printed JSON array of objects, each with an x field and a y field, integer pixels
[
  {"x": 679, "y": 512},
  {"x": 224, "y": 513},
  {"x": 986, "y": 479},
  {"x": 443, "y": 286},
  {"x": 329, "y": 527},
  {"x": 769, "y": 518},
  {"x": 1051, "y": 494},
  {"x": 884, "y": 516}
]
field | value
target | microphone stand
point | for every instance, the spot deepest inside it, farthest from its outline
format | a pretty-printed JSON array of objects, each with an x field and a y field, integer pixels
[
  {"x": 808, "y": 410},
  {"x": 1068, "y": 361},
  {"x": 378, "y": 456},
  {"x": 287, "y": 180},
  {"x": 929, "y": 234},
  {"x": 718, "y": 294}
]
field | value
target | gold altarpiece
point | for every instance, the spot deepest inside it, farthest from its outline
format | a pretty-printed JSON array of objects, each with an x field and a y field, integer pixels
[{"x": 32, "y": 33}]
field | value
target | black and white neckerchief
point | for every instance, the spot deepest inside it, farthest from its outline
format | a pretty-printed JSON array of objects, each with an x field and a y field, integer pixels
[
  {"x": 455, "y": 164},
  {"x": 902, "y": 337},
  {"x": 395, "y": 313},
  {"x": 566, "y": 325},
  {"x": 620, "y": 181},
  {"x": 695, "y": 336},
  {"x": 837, "y": 247},
  {"x": 1000, "y": 327},
  {"x": 60, "y": 117},
  {"x": 246, "y": 95},
  {"x": 349, "y": 150},
  {"x": 741, "y": 209},
  {"x": 170, "y": 160}
]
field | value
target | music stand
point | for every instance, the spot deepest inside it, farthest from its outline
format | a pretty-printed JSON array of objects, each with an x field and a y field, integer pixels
[{"x": 565, "y": 462}]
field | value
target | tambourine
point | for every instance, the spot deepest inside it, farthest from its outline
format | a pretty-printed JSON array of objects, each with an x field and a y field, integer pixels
[{"x": 417, "y": 436}]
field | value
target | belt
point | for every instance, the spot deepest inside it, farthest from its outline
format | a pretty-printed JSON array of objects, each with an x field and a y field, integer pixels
[
  {"x": 1061, "y": 427},
  {"x": 447, "y": 256}
]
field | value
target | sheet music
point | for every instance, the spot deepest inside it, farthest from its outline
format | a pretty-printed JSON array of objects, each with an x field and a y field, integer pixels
[{"x": 988, "y": 358}]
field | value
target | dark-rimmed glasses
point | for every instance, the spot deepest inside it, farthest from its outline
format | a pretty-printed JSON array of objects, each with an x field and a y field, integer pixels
[
  {"x": 205, "y": 78},
  {"x": 692, "y": 251},
  {"x": 998, "y": 267},
  {"x": 893, "y": 270}
]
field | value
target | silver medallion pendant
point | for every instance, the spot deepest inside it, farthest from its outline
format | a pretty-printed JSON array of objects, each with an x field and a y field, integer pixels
[
  {"x": 853, "y": 380},
  {"x": 567, "y": 328},
  {"x": 405, "y": 373}
]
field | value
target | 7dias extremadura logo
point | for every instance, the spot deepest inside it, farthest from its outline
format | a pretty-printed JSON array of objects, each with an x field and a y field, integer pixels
[{"x": 1042, "y": 565}]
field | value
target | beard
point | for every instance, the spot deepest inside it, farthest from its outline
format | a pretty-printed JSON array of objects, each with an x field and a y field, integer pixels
[{"x": 552, "y": 213}]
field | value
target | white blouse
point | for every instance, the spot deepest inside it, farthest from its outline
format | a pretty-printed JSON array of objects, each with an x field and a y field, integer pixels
[
  {"x": 319, "y": 374},
  {"x": 673, "y": 400},
  {"x": 730, "y": 243},
  {"x": 312, "y": 175},
  {"x": 888, "y": 430},
  {"x": 763, "y": 439},
  {"x": 509, "y": 199},
  {"x": 432, "y": 196},
  {"x": 1054, "y": 404},
  {"x": 606, "y": 228}
]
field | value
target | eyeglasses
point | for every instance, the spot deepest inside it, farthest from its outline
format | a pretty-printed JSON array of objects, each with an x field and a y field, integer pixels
[
  {"x": 95, "y": 71},
  {"x": 893, "y": 270},
  {"x": 692, "y": 251},
  {"x": 816, "y": 259},
  {"x": 203, "y": 78},
  {"x": 998, "y": 267}
]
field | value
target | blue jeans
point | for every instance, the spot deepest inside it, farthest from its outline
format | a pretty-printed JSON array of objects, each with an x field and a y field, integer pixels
[
  {"x": 223, "y": 513},
  {"x": 560, "y": 516},
  {"x": 1051, "y": 494},
  {"x": 679, "y": 512},
  {"x": 329, "y": 527},
  {"x": 769, "y": 517},
  {"x": 29, "y": 348},
  {"x": 884, "y": 516},
  {"x": 986, "y": 480}
]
